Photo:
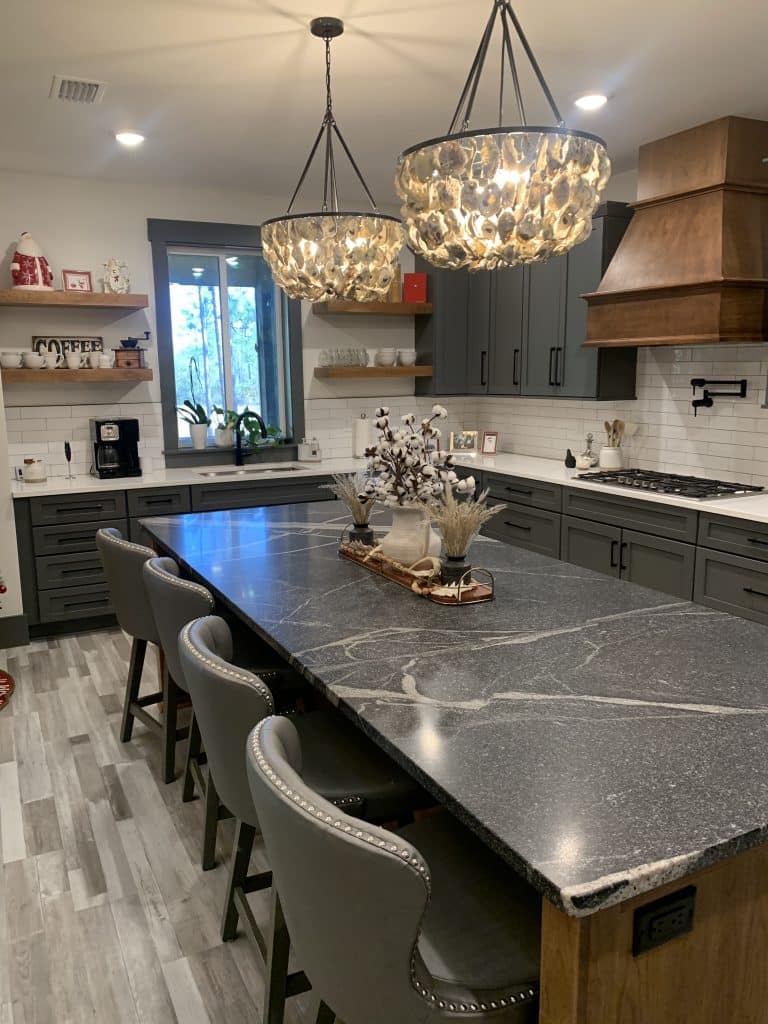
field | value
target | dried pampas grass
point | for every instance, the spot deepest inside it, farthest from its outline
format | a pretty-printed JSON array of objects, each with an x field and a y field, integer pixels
[
  {"x": 459, "y": 522},
  {"x": 349, "y": 489}
]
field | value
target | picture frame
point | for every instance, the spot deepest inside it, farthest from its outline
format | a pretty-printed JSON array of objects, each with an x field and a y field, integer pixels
[
  {"x": 490, "y": 443},
  {"x": 77, "y": 280},
  {"x": 464, "y": 441}
]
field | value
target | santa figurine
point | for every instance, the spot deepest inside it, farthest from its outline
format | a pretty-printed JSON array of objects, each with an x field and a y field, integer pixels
[{"x": 29, "y": 268}]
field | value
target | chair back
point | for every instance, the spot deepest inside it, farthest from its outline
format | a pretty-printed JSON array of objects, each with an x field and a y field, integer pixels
[
  {"x": 353, "y": 895},
  {"x": 174, "y": 603},
  {"x": 228, "y": 702},
  {"x": 123, "y": 562}
]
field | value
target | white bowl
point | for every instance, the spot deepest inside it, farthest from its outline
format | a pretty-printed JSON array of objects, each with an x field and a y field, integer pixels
[
  {"x": 406, "y": 357},
  {"x": 386, "y": 357}
]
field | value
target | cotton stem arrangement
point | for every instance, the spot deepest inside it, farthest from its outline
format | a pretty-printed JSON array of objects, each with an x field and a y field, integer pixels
[
  {"x": 459, "y": 522},
  {"x": 351, "y": 491}
]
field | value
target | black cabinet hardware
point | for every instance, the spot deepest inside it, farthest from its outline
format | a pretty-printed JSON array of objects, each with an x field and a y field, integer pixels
[
  {"x": 623, "y": 566},
  {"x": 757, "y": 593},
  {"x": 517, "y": 526},
  {"x": 519, "y": 490},
  {"x": 614, "y": 554},
  {"x": 757, "y": 540},
  {"x": 516, "y": 367},
  {"x": 558, "y": 366},
  {"x": 552, "y": 352},
  {"x": 483, "y": 357}
]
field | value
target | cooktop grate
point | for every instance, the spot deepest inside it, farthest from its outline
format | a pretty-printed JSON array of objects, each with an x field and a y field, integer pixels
[{"x": 671, "y": 483}]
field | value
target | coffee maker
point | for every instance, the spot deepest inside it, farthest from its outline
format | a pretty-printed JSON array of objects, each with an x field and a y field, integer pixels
[{"x": 115, "y": 448}]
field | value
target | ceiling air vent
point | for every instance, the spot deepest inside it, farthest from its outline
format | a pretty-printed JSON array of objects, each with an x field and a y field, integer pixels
[{"x": 76, "y": 90}]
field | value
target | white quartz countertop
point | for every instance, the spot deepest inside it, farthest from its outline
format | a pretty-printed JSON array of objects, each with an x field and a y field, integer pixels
[
  {"x": 752, "y": 507},
  {"x": 184, "y": 477}
]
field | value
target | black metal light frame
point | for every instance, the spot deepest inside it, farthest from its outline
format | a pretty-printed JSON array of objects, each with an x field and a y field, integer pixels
[{"x": 328, "y": 29}]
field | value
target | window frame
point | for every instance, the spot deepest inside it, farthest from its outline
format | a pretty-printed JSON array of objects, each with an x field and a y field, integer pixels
[{"x": 168, "y": 234}]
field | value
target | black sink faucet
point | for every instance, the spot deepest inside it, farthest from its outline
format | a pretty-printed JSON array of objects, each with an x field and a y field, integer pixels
[{"x": 247, "y": 415}]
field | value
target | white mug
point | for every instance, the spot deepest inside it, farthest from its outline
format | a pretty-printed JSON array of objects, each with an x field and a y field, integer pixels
[
  {"x": 10, "y": 360},
  {"x": 52, "y": 359},
  {"x": 33, "y": 360},
  {"x": 105, "y": 361},
  {"x": 94, "y": 360},
  {"x": 74, "y": 360}
]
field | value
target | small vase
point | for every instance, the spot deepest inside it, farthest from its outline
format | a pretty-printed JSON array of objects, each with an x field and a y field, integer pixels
[
  {"x": 199, "y": 434},
  {"x": 409, "y": 538},
  {"x": 453, "y": 569},
  {"x": 610, "y": 458},
  {"x": 361, "y": 534},
  {"x": 224, "y": 437}
]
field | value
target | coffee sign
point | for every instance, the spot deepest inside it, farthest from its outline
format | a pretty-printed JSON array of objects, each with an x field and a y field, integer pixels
[{"x": 61, "y": 346}]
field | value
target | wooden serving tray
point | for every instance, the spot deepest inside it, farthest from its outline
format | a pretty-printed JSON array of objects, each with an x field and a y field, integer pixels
[{"x": 422, "y": 585}]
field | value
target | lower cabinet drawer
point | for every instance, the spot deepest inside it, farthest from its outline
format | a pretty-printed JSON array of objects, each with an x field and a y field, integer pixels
[
  {"x": 163, "y": 501},
  {"x": 55, "y": 540},
  {"x": 739, "y": 536},
  {"x": 74, "y": 603},
  {"x": 528, "y": 528},
  {"x": 732, "y": 584},
  {"x": 257, "y": 493},
  {"x": 68, "y": 570},
  {"x": 524, "y": 492}
]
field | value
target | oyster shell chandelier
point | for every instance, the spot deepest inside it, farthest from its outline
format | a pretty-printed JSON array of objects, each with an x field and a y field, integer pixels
[
  {"x": 332, "y": 254},
  {"x": 498, "y": 197}
]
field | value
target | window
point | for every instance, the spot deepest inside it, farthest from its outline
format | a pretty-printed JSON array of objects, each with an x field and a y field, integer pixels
[{"x": 227, "y": 337}]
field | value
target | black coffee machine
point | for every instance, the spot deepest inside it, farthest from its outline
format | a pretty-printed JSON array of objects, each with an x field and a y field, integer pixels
[{"x": 115, "y": 448}]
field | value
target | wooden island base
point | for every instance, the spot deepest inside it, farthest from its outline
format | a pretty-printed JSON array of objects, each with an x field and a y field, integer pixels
[{"x": 716, "y": 974}]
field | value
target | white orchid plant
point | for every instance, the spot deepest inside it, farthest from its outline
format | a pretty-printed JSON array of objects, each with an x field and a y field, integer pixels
[{"x": 406, "y": 464}]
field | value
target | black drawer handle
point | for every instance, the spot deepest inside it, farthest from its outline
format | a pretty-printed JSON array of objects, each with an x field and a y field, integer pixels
[
  {"x": 757, "y": 593},
  {"x": 80, "y": 570},
  {"x": 614, "y": 554},
  {"x": 85, "y": 604},
  {"x": 483, "y": 357},
  {"x": 552, "y": 380},
  {"x": 622, "y": 564},
  {"x": 516, "y": 367},
  {"x": 80, "y": 508},
  {"x": 157, "y": 501},
  {"x": 558, "y": 380},
  {"x": 517, "y": 526},
  {"x": 520, "y": 490},
  {"x": 757, "y": 540},
  {"x": 73, "y": 538}
]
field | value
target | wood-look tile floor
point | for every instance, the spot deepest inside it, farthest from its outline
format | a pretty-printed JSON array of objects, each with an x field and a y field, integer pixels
[{"x": 105, "y": 913}]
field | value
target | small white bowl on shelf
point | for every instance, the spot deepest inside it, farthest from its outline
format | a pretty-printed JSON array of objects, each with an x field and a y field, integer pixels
[
  {"x": 406, "y": 357},
  {"x": 386, "y": 356}
]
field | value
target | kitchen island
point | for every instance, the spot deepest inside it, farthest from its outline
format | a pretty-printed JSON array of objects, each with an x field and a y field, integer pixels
[{"x": 608, "y": 741}]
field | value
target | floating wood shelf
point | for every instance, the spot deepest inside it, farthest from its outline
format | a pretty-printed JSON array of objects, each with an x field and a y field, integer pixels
[
  {"x": 339, "y": 372},
  {"x": 86, "y": 376},
  {"x": 372, "y": 308},
  {"x": 81, "y": 300}
]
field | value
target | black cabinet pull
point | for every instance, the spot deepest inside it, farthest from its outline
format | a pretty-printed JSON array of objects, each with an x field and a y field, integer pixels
[
  {"x": 80, "y": 570},
  {"x": 75, "y": 538},
  {"x": 622, "y": 565},
  {"x": 483, "y": 357},
  {"x": 80, "y": 508},
  {"x": 519, "y": 490},
  {"x": 517, "y": 526},
  {"x": 757, "y": 540},
  {"x": 516, "y": 367},
  {"x": 757, "y": 593},
  {"x": 558, "y": 366},
  {"x": 614, "y": 554},
  {"x": 96, "y": 603},
  {"x": 551, "y": 367}
]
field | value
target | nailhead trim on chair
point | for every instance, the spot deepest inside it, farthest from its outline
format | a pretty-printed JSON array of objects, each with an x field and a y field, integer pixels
[
  {"x": 226, "y": 669},
  {"x": 520, "y": 996},
  {"x": 177, "y": 582},
  {"x": 149, "y": 552}
]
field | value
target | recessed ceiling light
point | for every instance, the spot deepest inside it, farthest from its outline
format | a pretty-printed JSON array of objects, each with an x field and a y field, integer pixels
[
  {"x": 591, "y": 101},
  {"x": 129, "y": 138}
]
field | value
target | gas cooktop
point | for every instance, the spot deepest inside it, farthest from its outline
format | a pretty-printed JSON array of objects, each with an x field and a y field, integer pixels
[{"x": 671, "y": 483}]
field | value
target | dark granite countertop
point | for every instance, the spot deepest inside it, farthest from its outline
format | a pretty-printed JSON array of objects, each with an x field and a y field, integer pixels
[{"x": 603, "y": 738}]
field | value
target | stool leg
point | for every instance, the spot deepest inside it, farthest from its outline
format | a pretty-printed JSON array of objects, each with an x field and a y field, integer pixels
[
  {"x": 170, "y": 716},
  {"x": 194, "y": 746},
  {"x": 277, "y": 965},
  {"x": 138, "y": 650},
  {"x": 238, "y": 872},
  {"x": 325, "y": 1015},
  {"x": 211, "y": 824}
]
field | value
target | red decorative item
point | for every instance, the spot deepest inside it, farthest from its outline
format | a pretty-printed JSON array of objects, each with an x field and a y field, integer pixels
[
  {"x": 29, "y": 268},
  {"x": 414, "y": 288}
]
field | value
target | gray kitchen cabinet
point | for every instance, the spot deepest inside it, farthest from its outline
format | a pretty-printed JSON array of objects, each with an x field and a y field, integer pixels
[
  {"x": 57, "y": 540},
  {"x": 74, "y": 604},
  {"x": 72, "y": 570},
  {"x": 441, "y": 338},
  {"x": 545, "y": 327},
  {"x": 635, "y": 514},
  {"x": 478, "y": 350},
  {"x": 738, "y": 536},
  {"x": 150, "y": 501},
  {"x": 591, "y": 545},
  {"x": 496, "y": 302},
  {"x": 537, "y": 493},
  {"x": 526, "y": 527},
  {"x": 732, "y": 584},
  {"x": 255, "y": 493},
  {"x": 56, "y": 509},
  {"x": 658, "y": 563}
]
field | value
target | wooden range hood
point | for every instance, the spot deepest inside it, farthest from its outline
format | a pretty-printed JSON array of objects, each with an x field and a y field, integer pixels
[{"x": 692, "y": 267}]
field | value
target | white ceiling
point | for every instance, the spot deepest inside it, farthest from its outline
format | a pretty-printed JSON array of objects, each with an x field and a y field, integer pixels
[{"x": 229, "y": 92}]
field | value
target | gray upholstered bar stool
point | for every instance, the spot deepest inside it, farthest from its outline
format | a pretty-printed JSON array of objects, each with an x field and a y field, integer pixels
[
  {"x": 123, "y": 563},
  {"x": 228, "y": 702},
  {"x": 420, "y": 925}
]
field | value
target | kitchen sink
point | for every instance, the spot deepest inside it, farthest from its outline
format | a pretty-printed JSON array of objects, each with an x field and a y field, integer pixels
[{"x": 273, "y": 467}]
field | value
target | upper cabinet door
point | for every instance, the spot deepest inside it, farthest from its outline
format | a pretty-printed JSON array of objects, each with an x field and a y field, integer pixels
[
  {"x": 507, "y": 326},
  {"x": 578, "y": 378},
  {"x": 545, "y": 327},
  {"x": 479, "y": 333},
  {"x": 441, "y": 339}
]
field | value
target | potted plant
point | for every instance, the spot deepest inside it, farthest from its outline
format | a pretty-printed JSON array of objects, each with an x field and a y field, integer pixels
[
  {"x": 351, "y": 490},
  {"x": 193, "y": 412},
  {"x": 458, "y": 523},
  {"x": 224, "y": 434},
  {"x": 408, "y": 470}
]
